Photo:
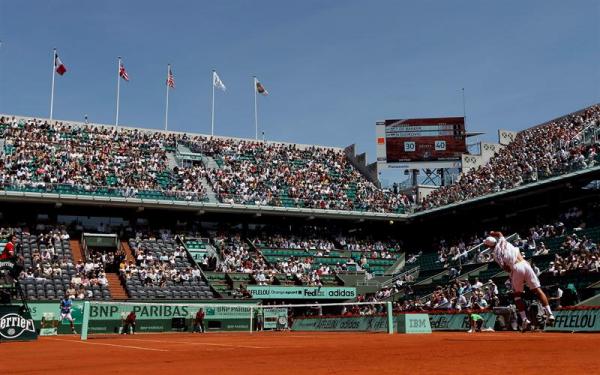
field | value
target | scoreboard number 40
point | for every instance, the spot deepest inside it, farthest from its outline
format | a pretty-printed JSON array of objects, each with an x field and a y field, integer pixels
[{"x": 440, "y": 145}]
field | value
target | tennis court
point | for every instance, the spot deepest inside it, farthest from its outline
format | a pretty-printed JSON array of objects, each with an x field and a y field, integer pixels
[{"x": 305, "y": 353}]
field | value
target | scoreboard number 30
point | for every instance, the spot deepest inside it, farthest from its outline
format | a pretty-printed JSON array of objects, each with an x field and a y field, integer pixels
[
  {"x": 410, "y": 147},
  {"x": 440, "y": 145}
]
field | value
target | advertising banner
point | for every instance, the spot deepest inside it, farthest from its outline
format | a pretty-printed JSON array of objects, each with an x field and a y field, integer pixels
[
  {"x": 576, "y": 321},
  {"x": 150, "y": 318},
  {"x": 275, "y": 318},
  {"x": 458, "y": 322},
  {"x": 301, "y": 292},
  {"x": 16, "y": 324},
  {"x": 351, "y": 323},
  {"x": 404, "y": 323}
]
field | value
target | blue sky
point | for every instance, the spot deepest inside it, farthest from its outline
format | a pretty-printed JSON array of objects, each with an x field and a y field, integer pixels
[{"x": 332, "y": 68}]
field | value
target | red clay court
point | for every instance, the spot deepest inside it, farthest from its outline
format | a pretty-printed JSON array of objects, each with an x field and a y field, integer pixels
[{"x": 312, "y": 353}]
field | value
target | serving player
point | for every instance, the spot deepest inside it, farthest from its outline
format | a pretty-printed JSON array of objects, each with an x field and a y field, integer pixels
[
  {"x": 511, "y": 260},
  {"x": 65, "y": 311}
]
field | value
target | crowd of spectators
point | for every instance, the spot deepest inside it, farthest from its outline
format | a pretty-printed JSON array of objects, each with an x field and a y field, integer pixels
[
  {"x": 455, "y": 253},
  {"x": 535, "y": 153},
  {"x": 47, "y": 264},
  {"x": 574, "y": 262},
  {"x": 87, "y": 274},
  {"x": 371, "y": 248},
  {"x": 317, "y": 244},
  {"x": 457, "y": 296},
  {"x": 157, "y": 268},
  {"x": 42, "y": 155},
  {"x": 133, "y": 163},
  {"x": 283, "y": 174},
  {"x": 237, "y": 255},
  {"x": 587, "y": 260},
  {"x": 321, "y": 246}
]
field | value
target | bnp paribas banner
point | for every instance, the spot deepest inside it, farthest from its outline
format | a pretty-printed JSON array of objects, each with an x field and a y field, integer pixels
[
  {"x": 108, "y": 311},
  {"x": 301, "y": 292},
  {"x": 576, "y": 321}
]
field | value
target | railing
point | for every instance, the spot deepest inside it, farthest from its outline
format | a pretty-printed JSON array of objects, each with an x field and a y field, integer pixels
[
  {"x": 467, "y": 295},
  {"x": 293, "y": 202},
  {"x": 100, "y": 190},
  {"x": 84, "y": 247},
  {"x": 589, "y": 134},
  {"x": 393, "y": 280}
]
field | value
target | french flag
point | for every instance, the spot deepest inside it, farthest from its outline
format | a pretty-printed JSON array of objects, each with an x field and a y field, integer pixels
[{"x": 59, "y": 66}]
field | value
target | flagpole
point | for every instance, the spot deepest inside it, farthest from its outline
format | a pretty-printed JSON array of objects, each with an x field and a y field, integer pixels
[
  {"x": 167, "y": 105},
  {"x": 212, "y": 119},
  {"x": 255, "y": 111},
  {"x": 118, "y": 90},
  {"x": 53, "y": 74},
  {"x": 464, "y": 107}
]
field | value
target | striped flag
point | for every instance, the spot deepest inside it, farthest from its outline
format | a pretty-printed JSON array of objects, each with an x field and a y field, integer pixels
[
  {"x": 260, "y": 88},
  {"x": 170, "y": 78},
  {"x": 58, "y": 65},
  {"x": 123, "y": 72}
]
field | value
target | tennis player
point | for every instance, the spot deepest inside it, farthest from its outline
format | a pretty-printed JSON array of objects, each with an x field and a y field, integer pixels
[
  {"x": 511, "y": 260},
  {"x": 66, "y": 304}
]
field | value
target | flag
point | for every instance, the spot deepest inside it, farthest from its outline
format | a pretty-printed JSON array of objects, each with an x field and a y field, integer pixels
[
  {"x": 217, "y": 82},
  {"x": 58, "y": 65},
  {"x": 170, "y": 79},
  {"x": 123, "y": 72},
  {"x": 260, "y": 88}
]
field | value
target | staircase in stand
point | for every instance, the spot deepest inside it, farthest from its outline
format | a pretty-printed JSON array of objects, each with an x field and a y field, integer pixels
[
  {"x": 77, "y": 251},
  {"x": 117, "y": 291},
  {"x": 127, "y": 250}
]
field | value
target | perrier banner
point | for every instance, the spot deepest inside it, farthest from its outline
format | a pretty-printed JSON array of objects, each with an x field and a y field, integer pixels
[{"x": 16, "y": 324}]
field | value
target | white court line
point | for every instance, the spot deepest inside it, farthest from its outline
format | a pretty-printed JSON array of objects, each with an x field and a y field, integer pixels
[
  {"x": 119, "y": 346},
  {"x": 203, "y": 343}
]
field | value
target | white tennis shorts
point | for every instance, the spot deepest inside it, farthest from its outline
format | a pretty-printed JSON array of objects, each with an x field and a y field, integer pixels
[
  {"x": 523, "y": 273},
  {"x": 64, "y": 316}
]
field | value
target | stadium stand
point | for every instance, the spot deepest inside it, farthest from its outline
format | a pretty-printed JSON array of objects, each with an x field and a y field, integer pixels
[
  {"x": 286, "y": 175},
  {"x": 49, "y": 270},
  {"x": 135, "y": 163},
  {"x": 39, "y": 156},
  {"x": 44, "y": 156},
  {"x": 565, "y": 255},
  {"x": 162, "y": 270},
  {"x": 537, "y": 153}
]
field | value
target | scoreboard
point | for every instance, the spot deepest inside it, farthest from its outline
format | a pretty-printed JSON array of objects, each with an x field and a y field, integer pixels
[{"x": 421, "y": 140}]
